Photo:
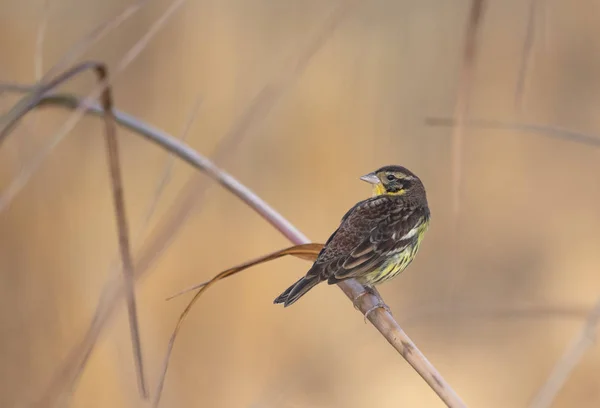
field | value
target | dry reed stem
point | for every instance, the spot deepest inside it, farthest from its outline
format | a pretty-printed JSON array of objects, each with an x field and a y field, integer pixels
[
  {"x": 527, "y": 53},
  {"x": 461, "y": 113},
  {"x": 38, "y": 57},
  {"x": 442, "y": 312},
  {"x": 112, "y": 147}
]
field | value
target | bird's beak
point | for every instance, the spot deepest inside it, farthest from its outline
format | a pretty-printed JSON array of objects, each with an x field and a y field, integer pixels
[{"x": 370, "y": 178}]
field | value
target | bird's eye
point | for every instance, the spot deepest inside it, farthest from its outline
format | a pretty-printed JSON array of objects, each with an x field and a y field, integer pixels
[{"x": 391, "y": 177}]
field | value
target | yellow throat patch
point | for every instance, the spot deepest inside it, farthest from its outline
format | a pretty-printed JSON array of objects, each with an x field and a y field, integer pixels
[{"x": 379, "y": 189}]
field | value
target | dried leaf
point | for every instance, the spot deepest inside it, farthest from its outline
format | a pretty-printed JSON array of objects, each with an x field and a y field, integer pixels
[
  {"x": 303, "y": 251},
  {"x": 307, "y": 252}
]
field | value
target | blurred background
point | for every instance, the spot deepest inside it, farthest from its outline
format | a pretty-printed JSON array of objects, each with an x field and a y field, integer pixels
[{"x": 495, "y": 295}]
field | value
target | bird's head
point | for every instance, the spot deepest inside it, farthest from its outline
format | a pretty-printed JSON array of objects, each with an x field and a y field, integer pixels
[{"x": 394, "y": 180}]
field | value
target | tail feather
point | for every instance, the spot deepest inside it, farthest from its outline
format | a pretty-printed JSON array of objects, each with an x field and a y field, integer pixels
[{"x": 297, "y": 290}]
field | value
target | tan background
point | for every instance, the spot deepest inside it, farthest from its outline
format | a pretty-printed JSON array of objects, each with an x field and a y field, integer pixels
[{"x": 525, "y": 256}]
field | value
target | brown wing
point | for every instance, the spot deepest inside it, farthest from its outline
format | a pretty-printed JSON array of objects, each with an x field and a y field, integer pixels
[{"x": 371, "y": 231}]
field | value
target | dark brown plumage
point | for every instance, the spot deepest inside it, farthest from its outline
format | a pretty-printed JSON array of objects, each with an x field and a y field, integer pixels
[{"x": 377, "y": 238}]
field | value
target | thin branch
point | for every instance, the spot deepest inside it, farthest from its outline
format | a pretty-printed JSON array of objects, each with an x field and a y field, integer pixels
[
  {"x": 569, "y": 360},
  {"x": 549, "y": 131},
  {"x": 381, "y": 319}
]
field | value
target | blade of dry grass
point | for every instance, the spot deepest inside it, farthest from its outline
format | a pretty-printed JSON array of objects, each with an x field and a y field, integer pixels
[
  {"x": 461, "y": 113},
  {"x": 442, "y": 312},
  {"x": 461, "y": 107},
  {"x": 527, "y": 53},
  {"x": 308, "y": 252},
  {"x": 112, "y": 148},
  {"x": 569, "y": 360},
  {"x": 166, "y": 176},
  {"x": 303, "y": 251},
  {"x": 548, "y": 131},
  {"x": 38, "y": 57}
]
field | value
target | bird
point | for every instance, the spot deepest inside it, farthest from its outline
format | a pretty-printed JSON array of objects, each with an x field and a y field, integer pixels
[{"x": 376, "y": 239}]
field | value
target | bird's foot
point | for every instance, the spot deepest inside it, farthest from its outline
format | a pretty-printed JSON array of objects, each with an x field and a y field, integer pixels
[
  {"x": 379, "y": 305},
  {"x": 370, "y": 290}
]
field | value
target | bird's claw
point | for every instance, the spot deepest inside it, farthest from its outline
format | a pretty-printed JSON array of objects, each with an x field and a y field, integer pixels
[
  {"x": 377, "y": 306},
  {"x": 380, "y": 305},
  {"x": 368, "y": 291}
]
